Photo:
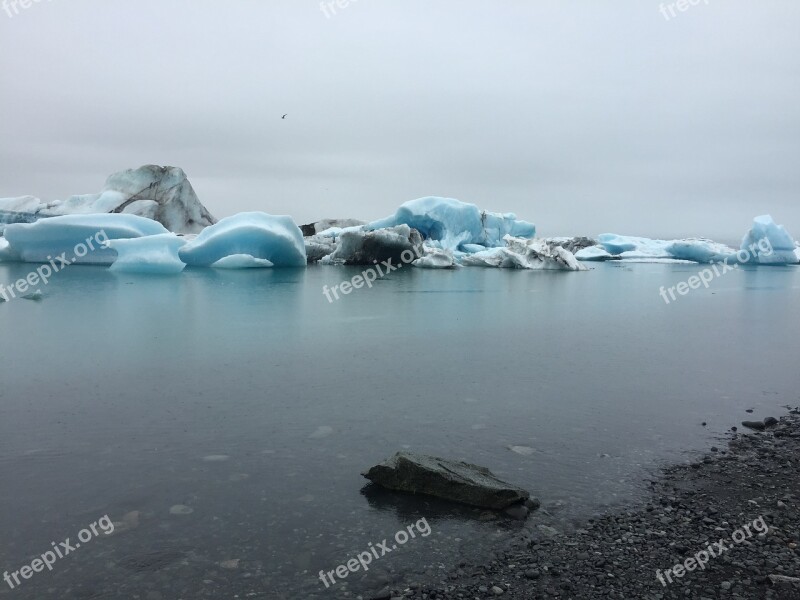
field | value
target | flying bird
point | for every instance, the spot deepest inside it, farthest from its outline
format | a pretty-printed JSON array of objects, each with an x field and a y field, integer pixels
[{"x": 284, "y": 116}]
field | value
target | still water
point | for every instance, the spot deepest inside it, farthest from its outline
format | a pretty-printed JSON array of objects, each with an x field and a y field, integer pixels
[{"x": 222, "y": 419}]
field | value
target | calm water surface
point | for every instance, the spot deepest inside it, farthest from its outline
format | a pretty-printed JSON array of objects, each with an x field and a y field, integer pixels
[{"x": 116, "y": 389}]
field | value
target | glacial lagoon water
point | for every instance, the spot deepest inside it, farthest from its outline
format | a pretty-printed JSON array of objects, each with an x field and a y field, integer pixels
[{"x": 251, "y": 400}]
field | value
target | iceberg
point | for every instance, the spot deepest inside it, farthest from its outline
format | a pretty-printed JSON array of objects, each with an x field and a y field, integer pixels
[
  {"x": 634, "y": 247},
  {"x": 5, "y": 251},
  {"x": 435, "y": 258},
  {"x": 358, "y": 246},
  {"x": 769, "y": 244},
  {"x": 242, "y": 261},
  {"x": 152, "y": 254},
  {"x": 79, "y": 239},
  {"x": 697, "y": 250},
  {"x": 593, "y": 253},
  {"x": 312, "y": 229},
  {"x": 701, "y": 251},
  {"x": 521, "y": 253},
  {"x": 318, "y": 247},
  {"x": 258, "y": 235},
  {"x": 452, "y": 223},
  {"x": 162, "y": 194},
  {"x": 573, "y": 244}
]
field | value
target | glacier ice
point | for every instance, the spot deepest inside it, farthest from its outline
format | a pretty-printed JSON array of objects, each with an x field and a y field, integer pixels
[
  {"x": 436, "y": 258},
  {"x": 318, "y": 247},
  {"x": 696, "y": 250},
  {"x": 755, "y": 247},
  {"x": 591, "y": 253},
  {"x": 312, "y": 229},
  {"x": 521, "y": 253},
  {"x": 769, "y": 244},
  {"x": 152, "y": 254},
  {"x": 5, "y": 251},
  {"x": 452, "y": 223},
  {"x": 633, "y": 247},
  {"x": 357, "y": 246},
  {"x": 163, "y": 194},
  {"x": 256, "y": 234},
  {"x": 80, "y": 237},
  {"x": 242, "y": 261},
  {"x": 573, "y": 244},
  {"x": 701, "y": 251}
]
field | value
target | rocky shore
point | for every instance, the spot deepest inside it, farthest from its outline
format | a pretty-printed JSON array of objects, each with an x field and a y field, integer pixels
[{"x": 735, "y": 511}]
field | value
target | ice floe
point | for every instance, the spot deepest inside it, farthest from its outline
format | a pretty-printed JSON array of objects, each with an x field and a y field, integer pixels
[
  {"x": 452, "y": 223},
  {"x": 77, "y": 238},
  {"x": 520, "y": 253},
  {"x": 276, "y": 239},
  {"x": 770, "y": 244},
  {"x": 152, "y": 254}
]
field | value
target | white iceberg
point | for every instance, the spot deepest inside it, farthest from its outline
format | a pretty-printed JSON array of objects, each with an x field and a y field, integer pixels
[
  {"x": 242, "y": 261},
  {"x": 593, "y": 253},
  {"x": 770, "y": 244},
  {"x": 163, "y": 194},
  {"x": 152, "y": 254},
  {"x": 452, "y": 223},
  {"x": 436, "y": 258},
  {"x": 697, "y": 250},
  {"x": 521, "y": 253},
  {"x": 76, "y": 238},
  {"x": 5, "y": 251},
  {"x": 624, "y": 246},
  {"x": 258, "y": 235}
]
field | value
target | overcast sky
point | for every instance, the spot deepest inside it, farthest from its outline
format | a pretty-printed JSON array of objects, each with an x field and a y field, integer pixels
[{"x": 582, "y": 116}]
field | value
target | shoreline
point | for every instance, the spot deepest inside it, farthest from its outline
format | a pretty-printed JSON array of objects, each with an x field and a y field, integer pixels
[{"x": 735, "y": 509}]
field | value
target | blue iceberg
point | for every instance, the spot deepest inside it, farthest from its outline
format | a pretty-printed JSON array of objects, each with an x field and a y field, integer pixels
[
  {"x": 256, "y": 235},
  {"x": 153, "y": 254},
  {"x": 79, "y": 239},
  {"x": 770, "y": 244},
  {"x": 623, "y": 247},
  {"x": 451, "y": 223}
]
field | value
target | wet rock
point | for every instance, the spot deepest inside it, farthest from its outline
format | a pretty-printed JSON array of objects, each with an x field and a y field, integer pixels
[
  {"x": 756, "y": 425},
  {"x": 451, "y": 480}
]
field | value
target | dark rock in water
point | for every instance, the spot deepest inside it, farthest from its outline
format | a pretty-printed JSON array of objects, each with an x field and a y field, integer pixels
[
  {"x": 533, "y": 504},
  {"x": 757, "y": 425},
  {"x": 451, "y": 480},
  {"x": 770, "y": 422},
  {"x": 519, "y": 512}
]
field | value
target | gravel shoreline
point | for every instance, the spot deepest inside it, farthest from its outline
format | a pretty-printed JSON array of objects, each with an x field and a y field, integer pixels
[{"x": 691, "y": 507}]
